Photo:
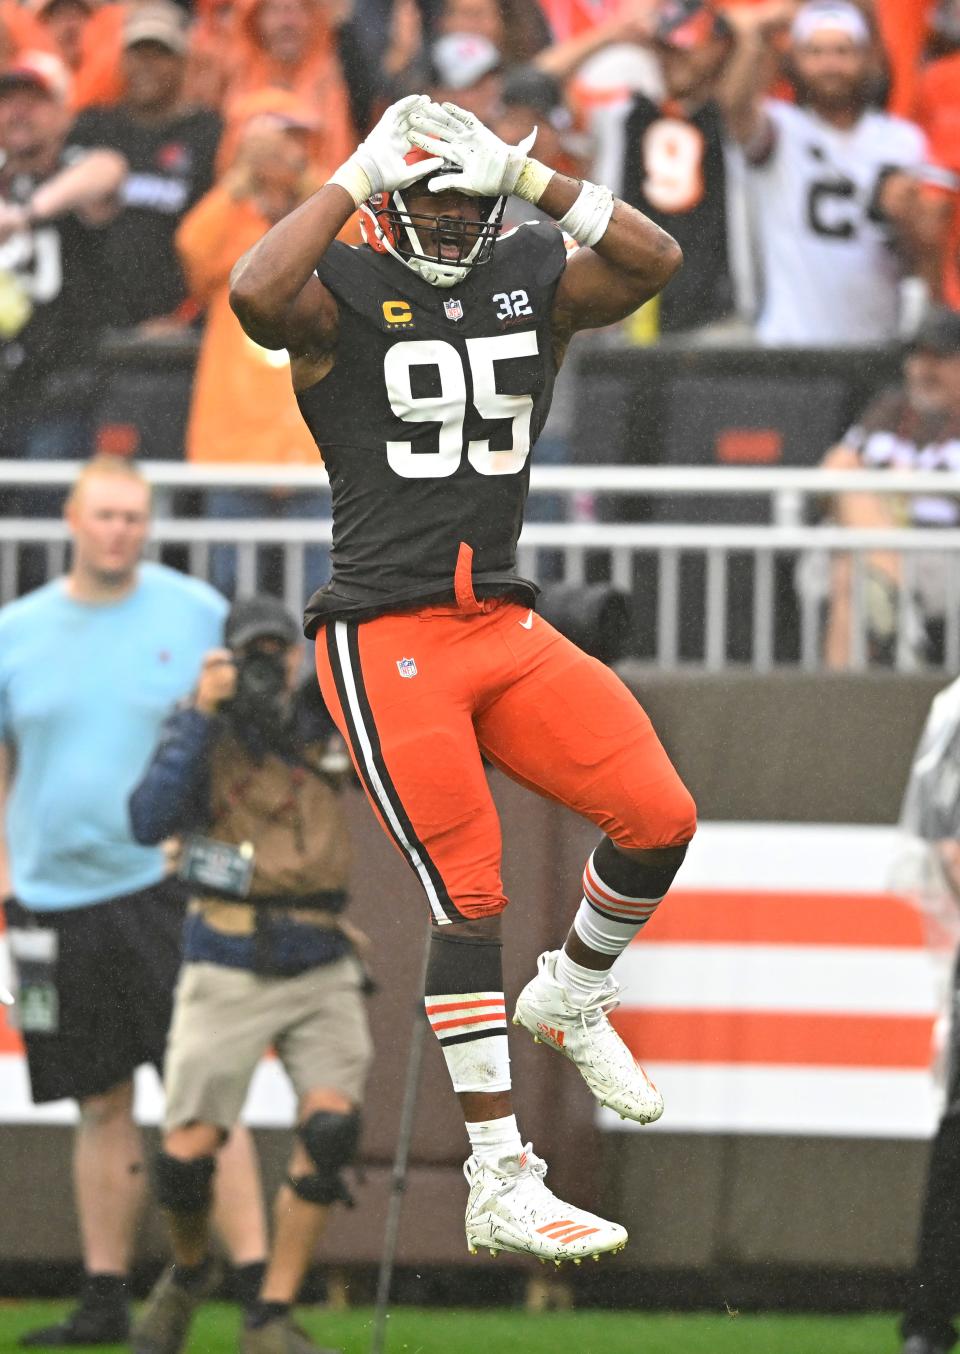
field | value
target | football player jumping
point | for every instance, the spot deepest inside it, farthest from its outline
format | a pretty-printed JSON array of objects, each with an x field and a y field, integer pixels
[{"x": 424, "y": 364}]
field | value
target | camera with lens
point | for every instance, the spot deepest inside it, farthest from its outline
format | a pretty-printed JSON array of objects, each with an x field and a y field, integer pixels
[
  {"x": 260, "y": 712},
  {"x": 261, "y": 679},
  {"x": 259, "y": 631}
]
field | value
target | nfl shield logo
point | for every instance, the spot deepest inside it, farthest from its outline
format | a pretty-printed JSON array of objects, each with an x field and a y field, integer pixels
[
  {"x": 407, "y": 667},
  {"x": 453, "y": 310}
]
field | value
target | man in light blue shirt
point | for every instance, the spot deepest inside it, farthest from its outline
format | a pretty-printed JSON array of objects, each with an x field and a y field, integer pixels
[
  {"x": 90, "y": 665},
  {"x": 84, "y": 687}
]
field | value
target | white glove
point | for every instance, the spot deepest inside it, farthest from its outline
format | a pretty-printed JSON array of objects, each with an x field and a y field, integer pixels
[
  {"x": 378, "y": 165},
  {"x": 488, "y": 166}
]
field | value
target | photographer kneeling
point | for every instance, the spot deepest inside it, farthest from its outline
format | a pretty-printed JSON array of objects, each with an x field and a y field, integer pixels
[{"x": 246, "y": 775}]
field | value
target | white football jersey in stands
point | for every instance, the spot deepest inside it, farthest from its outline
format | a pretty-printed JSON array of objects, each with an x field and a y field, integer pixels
[
  {"x": 894, "y": 434},
  {"x": 830, "y": 273}
]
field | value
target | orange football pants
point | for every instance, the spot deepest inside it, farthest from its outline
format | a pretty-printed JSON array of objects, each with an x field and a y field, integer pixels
[{"x": 418, "y": 696}]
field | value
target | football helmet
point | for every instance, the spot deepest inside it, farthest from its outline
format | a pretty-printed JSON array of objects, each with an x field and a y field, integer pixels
[{"x": 389, "y": 227}]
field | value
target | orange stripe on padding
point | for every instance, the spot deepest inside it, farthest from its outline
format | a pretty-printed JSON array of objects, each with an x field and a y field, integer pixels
[
  {"x": 557, "y": 1224},
  {"x": 769, "y": 917},
  {"x": 777, "y": 1038},
  {"x": 468, "y": 1020},
  {"x": 465, "y": 1005}
]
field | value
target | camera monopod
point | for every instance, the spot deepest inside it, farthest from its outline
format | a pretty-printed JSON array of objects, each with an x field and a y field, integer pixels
[{"x": 398, "y": 1179}]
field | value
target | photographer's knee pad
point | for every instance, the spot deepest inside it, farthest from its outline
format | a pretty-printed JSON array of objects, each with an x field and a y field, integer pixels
[
  {"x": 330, "y": 1139},
  {"x": 183, "y": 1186}
]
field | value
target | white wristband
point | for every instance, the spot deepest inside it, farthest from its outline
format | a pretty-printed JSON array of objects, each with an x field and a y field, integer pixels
[
  {"x": 532, "y": 180},
  {"x": 353, "y": 179},
  {"x": 588, "y": 218}
]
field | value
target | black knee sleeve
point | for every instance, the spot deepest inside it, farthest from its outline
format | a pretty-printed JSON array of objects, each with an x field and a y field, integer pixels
[
  {"x": 462, "y": 964},
  {"x": 183, "y": 1186},
  {"x": 331, "y": 1141},
  {"x": 638, "y": 874}
]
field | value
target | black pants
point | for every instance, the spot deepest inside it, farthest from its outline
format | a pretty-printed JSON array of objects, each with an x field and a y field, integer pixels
[{"x": 935, "y": 1288}]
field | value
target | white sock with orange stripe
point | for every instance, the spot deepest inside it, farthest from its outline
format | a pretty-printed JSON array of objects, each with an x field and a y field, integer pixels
[
  {"x": 609, "y": 918},
  {"x": 465, "y": 1006},
  {"x": 472, "y": 1030},
  {"x": 493, "y": 1139},
  {"x": 607, "y": 921}
]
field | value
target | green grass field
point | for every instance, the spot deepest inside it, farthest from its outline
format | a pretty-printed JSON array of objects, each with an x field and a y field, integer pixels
[{"x": 451, "y": 1331}]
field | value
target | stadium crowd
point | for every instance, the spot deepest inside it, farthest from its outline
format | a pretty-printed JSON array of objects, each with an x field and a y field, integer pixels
[
  {"x": 806, "y": 156},
  {"x": 146, "y": 146}
]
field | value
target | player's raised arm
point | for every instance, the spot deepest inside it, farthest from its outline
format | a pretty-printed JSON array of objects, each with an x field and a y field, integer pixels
[
  {"x": 628, "y": 259},
  {"x": 273, "y": 290}
]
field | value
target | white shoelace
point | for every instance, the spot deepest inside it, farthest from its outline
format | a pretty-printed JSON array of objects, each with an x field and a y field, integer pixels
[{"x": 599, "y": 1006}]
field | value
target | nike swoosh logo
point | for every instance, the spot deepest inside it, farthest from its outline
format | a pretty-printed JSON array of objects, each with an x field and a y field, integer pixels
[{"x": 528, "y": 623}]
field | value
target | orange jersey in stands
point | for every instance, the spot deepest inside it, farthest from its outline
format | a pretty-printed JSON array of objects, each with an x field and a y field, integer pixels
[
  {"x": 903, "y": 27},
  {"x": 938, "y": 113},
  {"x": 243, "y": 407}
]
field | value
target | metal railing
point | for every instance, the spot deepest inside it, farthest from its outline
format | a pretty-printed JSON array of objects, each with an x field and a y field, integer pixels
[{"x": 711, "y": 594}]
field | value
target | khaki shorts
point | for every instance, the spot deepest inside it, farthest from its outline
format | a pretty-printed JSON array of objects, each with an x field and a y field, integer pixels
[{"x": 225, "y": 1020}]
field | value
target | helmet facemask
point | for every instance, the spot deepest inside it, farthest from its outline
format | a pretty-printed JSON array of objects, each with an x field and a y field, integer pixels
[{"x": 389, "y": 227}]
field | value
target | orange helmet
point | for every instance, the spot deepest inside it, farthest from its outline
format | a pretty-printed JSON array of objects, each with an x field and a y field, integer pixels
[{"x": 388, "y": 227}]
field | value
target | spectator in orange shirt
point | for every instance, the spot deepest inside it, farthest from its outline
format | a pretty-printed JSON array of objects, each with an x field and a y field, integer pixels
[
  {"x": 291, "y": 45},
  {"x": 20, "y": 33},
  {"x": 213, "y": 37},
  {"x": 87, "y": 38},
  {"x": 244, "y": 409},
  {"x": 65, "y": 22}
]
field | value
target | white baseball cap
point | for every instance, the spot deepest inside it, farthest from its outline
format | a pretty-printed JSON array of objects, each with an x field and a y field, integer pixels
[
  {"x": 838, "y": 16},
  {"x": 158, "y": 21}
]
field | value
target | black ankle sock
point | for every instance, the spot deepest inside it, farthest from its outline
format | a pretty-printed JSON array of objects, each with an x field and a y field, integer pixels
[
  {"x": 192, "y": 1277},
  {"x": 105, "y": 1290},
  {"x": 261, "y": 1312},
  {"x": 247, "y": 1282}
]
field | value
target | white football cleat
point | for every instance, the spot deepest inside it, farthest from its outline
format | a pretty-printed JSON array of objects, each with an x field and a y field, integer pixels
[
  {"x": 511, "y": 1209},
  {"x": 585, "y": 1036}
]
